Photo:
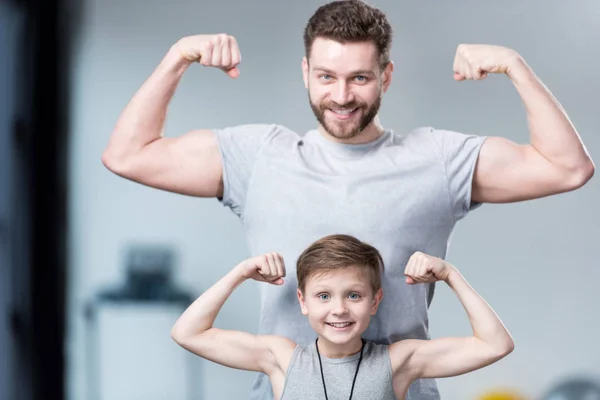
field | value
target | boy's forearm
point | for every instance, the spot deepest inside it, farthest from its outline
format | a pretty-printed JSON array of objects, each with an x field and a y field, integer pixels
[
  {"x": 485, "y": 323},
  {"x": 201, "y": 314}
]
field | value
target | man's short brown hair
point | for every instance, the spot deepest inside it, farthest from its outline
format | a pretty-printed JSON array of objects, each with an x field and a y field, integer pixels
[
  {"x": 350, "y": 21},
  {"x": 339, "y": 251}
]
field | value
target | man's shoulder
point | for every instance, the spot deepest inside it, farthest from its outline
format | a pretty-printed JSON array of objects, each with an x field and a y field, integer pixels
[
  {"x": 417, "y": 141},
  {"x": 257, "y": 129},
  {"x": 443, "y": 140},
  {"x": 257, "y": 138},
  {"x": 423, "y": 133}
]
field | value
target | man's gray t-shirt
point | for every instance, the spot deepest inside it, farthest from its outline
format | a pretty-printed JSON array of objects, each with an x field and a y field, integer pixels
[{"x": 400, "y": 193}]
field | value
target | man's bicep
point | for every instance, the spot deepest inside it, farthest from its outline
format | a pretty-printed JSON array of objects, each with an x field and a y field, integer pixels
[
  {"x": 189, "y": 164},
  {"x": 508, "y": 172}
]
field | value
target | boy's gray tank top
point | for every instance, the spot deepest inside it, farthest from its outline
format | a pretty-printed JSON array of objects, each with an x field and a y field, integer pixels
[{"x": 374, "y": 380}]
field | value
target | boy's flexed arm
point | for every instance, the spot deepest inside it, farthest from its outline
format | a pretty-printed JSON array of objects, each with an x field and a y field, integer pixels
[
  {"x": 194, "y": 329},
  {"x": 445, "y": 357}
]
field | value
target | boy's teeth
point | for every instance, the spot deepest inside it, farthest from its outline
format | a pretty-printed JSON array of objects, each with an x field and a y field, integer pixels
[{"x": 340, "y": 324}]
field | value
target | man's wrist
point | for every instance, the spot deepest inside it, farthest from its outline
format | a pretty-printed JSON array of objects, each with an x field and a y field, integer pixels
[
  {"x": 174, "y": 59},
  {"x": 518, "y": 71}
]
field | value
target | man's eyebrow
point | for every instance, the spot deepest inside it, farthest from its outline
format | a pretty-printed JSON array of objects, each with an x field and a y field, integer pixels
[{"x": 358, "y": 72}]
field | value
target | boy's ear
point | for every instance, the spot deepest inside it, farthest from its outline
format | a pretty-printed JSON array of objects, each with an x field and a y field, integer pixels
[
  {"x": 302, "y": 302},
  {"x": 376, "y": 301}
]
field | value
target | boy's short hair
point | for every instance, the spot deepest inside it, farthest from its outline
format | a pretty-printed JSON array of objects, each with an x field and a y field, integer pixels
[
  {"x": 339, "y": 251},
  {"x": 350, "y": 21}
]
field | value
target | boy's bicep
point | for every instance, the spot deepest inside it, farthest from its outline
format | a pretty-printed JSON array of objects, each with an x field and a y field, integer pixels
[
  {"x": 439, "y": 358},
  {"x": 234, "y": 349}
]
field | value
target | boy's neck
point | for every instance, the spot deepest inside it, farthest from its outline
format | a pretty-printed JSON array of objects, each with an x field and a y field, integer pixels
[{"x": 332, "y": 350}]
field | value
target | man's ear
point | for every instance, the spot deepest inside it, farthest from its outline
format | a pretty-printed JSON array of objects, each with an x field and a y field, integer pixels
[
  {"x": 387, "y": 75},
  {"x": 305, "y": 70}
]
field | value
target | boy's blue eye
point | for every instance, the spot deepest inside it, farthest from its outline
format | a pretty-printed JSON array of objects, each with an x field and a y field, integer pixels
[
  {"x": 323, "y": 296},
  {"x": 354, "y": 296}
]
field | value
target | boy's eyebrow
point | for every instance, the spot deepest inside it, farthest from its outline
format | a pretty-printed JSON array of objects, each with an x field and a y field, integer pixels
[
  {"x": 354, "y": 287},
  {"x": 320, "y": 288}
]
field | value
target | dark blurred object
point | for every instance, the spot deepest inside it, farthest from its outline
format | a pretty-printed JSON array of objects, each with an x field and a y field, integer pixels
[
  {"x": 149, "y": 271},
  {"x": 579, "y": 388},
  {"x": 35, "y": 62}
]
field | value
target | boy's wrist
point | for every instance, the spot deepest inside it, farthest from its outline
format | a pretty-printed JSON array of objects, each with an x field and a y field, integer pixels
[{"x": 238, "y": 273}]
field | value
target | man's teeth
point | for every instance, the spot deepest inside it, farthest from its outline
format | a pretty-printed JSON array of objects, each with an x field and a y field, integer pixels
[
  {"x": 339, "y": 324},
  {"x": 342, "y": 112}
]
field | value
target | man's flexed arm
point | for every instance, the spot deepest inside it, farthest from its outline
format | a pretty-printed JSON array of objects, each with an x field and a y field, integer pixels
[
  {"x": 189, "y": 164},
  {"x": 554, "y": 161}
]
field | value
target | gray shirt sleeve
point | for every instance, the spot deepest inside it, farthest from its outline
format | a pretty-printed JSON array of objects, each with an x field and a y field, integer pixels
[
  {"x": 459, "y": 154},
  {"x": 239, "y": 147}
]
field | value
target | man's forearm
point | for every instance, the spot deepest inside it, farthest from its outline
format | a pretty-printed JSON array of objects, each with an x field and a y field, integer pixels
[
  {"x": 142, "y": 120},
  {"x": 552, "y": 133}
]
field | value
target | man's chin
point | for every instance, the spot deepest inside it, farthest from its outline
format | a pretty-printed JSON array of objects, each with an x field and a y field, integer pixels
[
  {"x": 342, "y": 132},
  {"x": 343, "y": 135}
]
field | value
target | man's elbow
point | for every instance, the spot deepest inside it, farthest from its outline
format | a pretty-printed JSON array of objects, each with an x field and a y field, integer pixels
[
  {"x": 108, "y": 160},
  {"x": 508, "y": 348},
  {"x": 501, "y": 350},
  {"x": 114, "y": 161},
  {"x": 177, "y": 335},
  {"x": 581, "y": 174}
]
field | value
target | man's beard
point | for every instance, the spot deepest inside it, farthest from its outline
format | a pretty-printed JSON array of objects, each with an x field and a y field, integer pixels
[{"x": 345, "y": 129}]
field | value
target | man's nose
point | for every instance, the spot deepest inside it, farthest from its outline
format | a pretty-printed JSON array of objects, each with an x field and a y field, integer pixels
[{"x": 342, "y": 94}]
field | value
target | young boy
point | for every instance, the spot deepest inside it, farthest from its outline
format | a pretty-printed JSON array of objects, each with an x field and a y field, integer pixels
[{"x": 339, "y": 289}]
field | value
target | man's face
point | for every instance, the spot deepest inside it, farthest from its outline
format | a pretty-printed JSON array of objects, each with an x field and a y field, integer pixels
[{"x": 345, "y": 85}]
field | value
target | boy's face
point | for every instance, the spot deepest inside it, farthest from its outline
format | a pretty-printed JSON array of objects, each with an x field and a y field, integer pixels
[{"x": 339, "y": 304}]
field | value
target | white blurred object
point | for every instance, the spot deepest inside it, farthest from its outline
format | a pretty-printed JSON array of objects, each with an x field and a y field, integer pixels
[
  {"x": 131, "y": 355},
  {"x": 137, "y": 358}
]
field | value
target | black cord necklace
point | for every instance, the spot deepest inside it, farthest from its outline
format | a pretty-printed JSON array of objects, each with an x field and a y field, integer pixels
[{"x": 355, "y": 373}]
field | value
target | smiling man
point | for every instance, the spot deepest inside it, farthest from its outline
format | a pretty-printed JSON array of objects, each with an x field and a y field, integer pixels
[{"x": 401, "y": 191}]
